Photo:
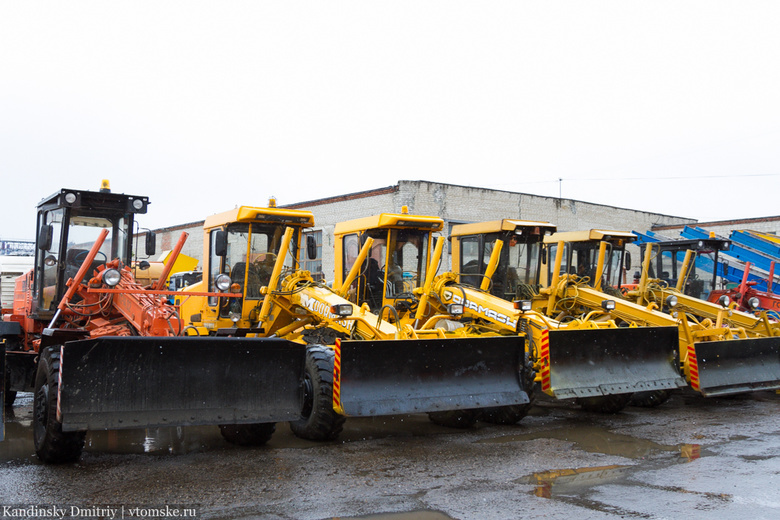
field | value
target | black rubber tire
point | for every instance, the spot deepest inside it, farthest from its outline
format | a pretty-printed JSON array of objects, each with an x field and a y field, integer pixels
[
  {"x": 514, "y": 413},
  {"x": 52, "y": 445},
  {"x": 605, "y": 403},
  {"x": 9, "y": 396},
  {"x": 248, "y": 434},
  {"x": 455, "y": 418},
  {"x": 318, "y": 422},
  {"x": 651, "y": 398}
]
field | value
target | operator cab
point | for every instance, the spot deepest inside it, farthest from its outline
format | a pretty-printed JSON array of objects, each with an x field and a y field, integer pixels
[
  {"x": 581, "y": 255},
  {"x": 704, "y": 271},
  {"x": 69, "y": 223},
  {"x": 396, "y": 263},
  {"x": 517, "y": 274},
  {"x": 240, "y": 250}
]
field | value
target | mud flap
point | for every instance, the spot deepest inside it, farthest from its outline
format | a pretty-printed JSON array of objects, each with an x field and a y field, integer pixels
[
  {"x": 373, "y": 378},
  {"x": 132, "y": 382},
  {"x": 735, "y": 366},
  {"x": 594, "y": 362}
]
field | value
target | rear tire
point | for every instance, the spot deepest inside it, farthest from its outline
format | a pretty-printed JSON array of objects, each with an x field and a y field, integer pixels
[
  {"x": 248, "y": 434},
  {"x": 52, "y": 445},
  {"x": 605, "y": 403},
  {"x": 651, "y": 398},
  {"x": 455, "y": 418},
  {"x": 9, "y": 396},
  {"x": 318, "y": 422}
]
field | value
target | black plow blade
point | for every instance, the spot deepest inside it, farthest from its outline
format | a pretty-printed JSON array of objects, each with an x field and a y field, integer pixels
[
  {"x": 595, "y": 362},
  {"x": 735, "y": 366},
  {"x": 121, "y": 382},
  {"x": 375, "y": 378}
]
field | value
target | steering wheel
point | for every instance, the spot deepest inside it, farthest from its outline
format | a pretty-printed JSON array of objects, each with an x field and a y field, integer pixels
[{"x": 79, "y": 258}]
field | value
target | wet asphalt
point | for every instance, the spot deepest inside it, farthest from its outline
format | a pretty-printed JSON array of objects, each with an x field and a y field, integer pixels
[{"x": 689, "y": 458}]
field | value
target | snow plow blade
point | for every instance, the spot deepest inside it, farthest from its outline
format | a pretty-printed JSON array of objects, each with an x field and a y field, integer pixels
[
  {"x": 373, "y": 378},
  {"x": 594, "y": 362},
  {"x": 178, "y": 382},
  {"x": 736, "y": 366}
]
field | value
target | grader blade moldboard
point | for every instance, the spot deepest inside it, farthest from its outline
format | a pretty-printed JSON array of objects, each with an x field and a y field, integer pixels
[
  {"x": 131, "y": 382},
  {"x": 413, "y": 376},
  {"x": 736, "y": 366},
  {"x": 594, "y": 362}
]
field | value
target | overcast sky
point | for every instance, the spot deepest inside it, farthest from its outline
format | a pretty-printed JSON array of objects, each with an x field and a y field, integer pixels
[{"x": 672, "y": 107}]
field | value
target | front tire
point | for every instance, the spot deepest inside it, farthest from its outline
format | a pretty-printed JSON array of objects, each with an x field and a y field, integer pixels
[
  {"x": 318, "y": 422},
  {"x": 52, "y": 445},
  {"x": 605, "y": 403},
  {"x": 513, "y": 414},
  {"x": 248, "y": 434},
  {"x": 455, "y": 418},
  {"x": 651, "y": 398}
]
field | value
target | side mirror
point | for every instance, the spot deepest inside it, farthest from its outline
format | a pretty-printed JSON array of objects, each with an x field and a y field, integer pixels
[
  {"x": 45, "y": 235},
  {"x": 151, "y": 243},
  {"x": 220, "y": 243},
  {"x": 627, "y": 261},
  {"x": 725, "y": 268},
  {"x": 311, "y": 247}
]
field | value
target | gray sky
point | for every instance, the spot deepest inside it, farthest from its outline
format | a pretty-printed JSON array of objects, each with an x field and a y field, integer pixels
[{"x": 671, "y": 107}]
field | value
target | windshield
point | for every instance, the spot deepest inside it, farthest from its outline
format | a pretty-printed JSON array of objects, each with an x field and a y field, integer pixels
[
  {"x": 251, "y": 254},
  {"x": 518, "y": 268},
  {"x": 395, "y": 265},
  {"x": 581, "y": 259},
  {"x": 698, "y": 282}
]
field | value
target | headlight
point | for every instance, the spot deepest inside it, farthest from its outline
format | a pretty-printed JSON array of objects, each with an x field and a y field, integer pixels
[
  {"x": 754, "y": 302},
  {"x": 341, "y": 310},
  {"x": 455, "y": 309},
  {"x": 138, "y": 204},
  {"x": 522, "y": 305},
  {"x": 235, "y": 311},
  {"x": 222, "y": 282},
  {"x": 70, "y": 198},
  {"x": 724, "y": 300},
  {"x": 111, "y": 277},
  {"x": 671, "y": 301},
  {"x": 608, "y": 305}
]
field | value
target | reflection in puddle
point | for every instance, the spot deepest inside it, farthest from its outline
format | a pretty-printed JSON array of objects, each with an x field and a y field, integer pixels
[
  {"x": 567, "y": 480},
  {"x": 578, "y": 480},
  {"x": 593, "y": 439}
]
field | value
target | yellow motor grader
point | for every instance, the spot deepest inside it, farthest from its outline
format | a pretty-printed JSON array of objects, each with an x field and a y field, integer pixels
[
  {"x": 357, "y": 364},
  {"x": 593, "y": 361},
  {"x": 722, "y": 350}
]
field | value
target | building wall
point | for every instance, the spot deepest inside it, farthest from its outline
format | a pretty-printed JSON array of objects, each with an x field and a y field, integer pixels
[{"x": 455, "y": 204}]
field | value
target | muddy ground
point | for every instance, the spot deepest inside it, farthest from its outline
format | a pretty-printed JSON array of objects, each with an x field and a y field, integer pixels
[{"x": 690, "y": 458}]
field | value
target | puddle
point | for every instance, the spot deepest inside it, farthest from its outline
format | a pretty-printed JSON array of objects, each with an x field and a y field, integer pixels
[
  {"x": 412, "y": 515},
  {"x": 568, "y": 480},
  {"x": 18, "y": 444},
  {"x": 593, "y": 439}
]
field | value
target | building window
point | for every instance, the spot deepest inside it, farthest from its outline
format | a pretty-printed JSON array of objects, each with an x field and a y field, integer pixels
[{"x": 313, "y": 265}]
